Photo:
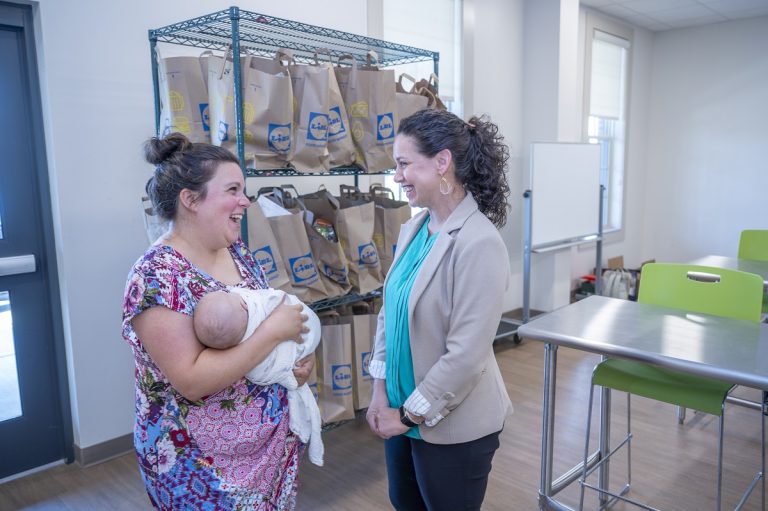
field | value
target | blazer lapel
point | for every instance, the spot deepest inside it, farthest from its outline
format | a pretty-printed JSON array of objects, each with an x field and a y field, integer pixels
[{"x": 444, "y": 241}]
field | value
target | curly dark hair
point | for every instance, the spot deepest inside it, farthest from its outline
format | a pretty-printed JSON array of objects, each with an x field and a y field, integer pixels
[
  {"x": 479, "y": 155},
  {"x": 180, "y": 164}
]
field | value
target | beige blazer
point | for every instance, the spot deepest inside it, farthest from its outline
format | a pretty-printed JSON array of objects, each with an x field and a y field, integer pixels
[{"x": 453, "y": 312}]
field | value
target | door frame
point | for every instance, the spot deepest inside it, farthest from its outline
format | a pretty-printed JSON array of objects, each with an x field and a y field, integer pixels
[{"x": 22, "y": 14}]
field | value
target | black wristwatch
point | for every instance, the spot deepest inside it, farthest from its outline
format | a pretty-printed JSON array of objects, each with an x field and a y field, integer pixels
[{"x": 405, "y": 420}]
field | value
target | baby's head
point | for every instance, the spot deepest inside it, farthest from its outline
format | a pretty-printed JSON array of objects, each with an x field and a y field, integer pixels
[{"x": 220, "y": 319}]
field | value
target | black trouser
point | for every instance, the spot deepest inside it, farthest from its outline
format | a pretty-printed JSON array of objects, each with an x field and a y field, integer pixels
[{"x": 434, "y": 477}]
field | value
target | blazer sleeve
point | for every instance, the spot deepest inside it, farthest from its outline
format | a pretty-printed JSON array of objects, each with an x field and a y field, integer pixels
[
  {"x": 377, "y": 367},
  {"x": 480, "y": 278}
]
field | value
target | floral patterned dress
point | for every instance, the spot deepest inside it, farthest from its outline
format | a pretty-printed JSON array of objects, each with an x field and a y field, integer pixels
[{"x": 229, "y": 451}]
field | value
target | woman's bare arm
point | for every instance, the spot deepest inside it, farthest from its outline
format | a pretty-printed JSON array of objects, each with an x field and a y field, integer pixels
[{"x": 197, "y": 371}]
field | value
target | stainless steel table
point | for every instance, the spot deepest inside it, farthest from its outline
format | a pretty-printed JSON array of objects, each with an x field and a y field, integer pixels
[
  {"x": 733, "y": 263},
  {"x": 728, "y": 349}
]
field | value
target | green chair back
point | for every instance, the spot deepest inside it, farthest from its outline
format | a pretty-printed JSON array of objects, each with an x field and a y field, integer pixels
[
  {"x": 734, "y": 294},
  {"x": 753, "y": 244}
]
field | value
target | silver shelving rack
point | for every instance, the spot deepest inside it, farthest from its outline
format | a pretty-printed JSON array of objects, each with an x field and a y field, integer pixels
[{"x": 244, "y": 32}]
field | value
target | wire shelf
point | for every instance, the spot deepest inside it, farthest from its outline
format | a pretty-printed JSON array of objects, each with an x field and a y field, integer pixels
[
  {"x": 260, "y": 34},
  {"x": 290, "y": 171},
  {"x": 330, "y": 303}
]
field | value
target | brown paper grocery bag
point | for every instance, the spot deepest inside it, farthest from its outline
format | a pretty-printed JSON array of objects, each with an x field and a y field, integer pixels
[
  {"x": 369, "y": 96},
  {"x": 363, "y": 331},
  {"x": 335, "y": 373},
  {"x": 310, "y": 117},
  {"x": 408, "y": 101},
  {"x": 331, "y": 261},
  {"x": 267, "y": 110},
  {"x": 221, "y": 99},
  {"x": 153, "y": 224},
  {"x": 327, "y": 249},
  {"x": 353, "y": 221},
  {"x": 391, "y": 214},
  {"x": 263, "y": 245},
  {"x": 268, "y": 96},
  {"x": 428, "y": 88},
  {"x": 341, "y": 148},
  {"x": 183, "y": 97},
  {"x": 291, "y": 237}
]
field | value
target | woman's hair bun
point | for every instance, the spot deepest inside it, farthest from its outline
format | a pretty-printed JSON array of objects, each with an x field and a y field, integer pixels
[{"x": 157, "y": 150}]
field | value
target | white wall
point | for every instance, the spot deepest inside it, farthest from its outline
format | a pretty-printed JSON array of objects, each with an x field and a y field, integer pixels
[
  {"x": 707, "y": 174},
  {"x": 97, "y": 94},
  {"x": 493, "y": 81}
]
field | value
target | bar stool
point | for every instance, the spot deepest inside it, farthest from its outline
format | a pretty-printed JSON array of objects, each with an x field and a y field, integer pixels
[{"x": 701, "y": 289}]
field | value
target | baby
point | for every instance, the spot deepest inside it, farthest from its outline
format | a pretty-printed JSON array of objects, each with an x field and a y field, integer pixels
[{"x": 222, "y": 320}]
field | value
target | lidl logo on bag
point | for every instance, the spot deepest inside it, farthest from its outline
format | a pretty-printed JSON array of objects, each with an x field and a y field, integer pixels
[
  {"x": 303, "y": 269},
  {"x": 223, "y": 132},
  {"x": 266, "y": 260},
  {"x": 342, "y": 377},
  {"x": 385, "y": 126},
  {"x": 335, "y": 122},
  {"x": 367, "y": 255},
  {"x": 279, "y": 137},
  {"x": 205, "y": 116},
  {"x": 318, "y": 127},
  {"x": 365, "y": 360},
  {"x": 340, "y": 275}
]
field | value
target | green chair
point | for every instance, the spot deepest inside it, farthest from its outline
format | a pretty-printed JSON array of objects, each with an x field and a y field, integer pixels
[
  {"x": 715, "y": 291},
  {"x": 753, "y": 244}
]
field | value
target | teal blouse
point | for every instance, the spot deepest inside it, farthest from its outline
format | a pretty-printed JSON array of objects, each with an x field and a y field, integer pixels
[{"x": 399, "y": 363}]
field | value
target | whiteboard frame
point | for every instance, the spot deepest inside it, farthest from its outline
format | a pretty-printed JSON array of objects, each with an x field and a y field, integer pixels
[{"x": 527, "y": 248}]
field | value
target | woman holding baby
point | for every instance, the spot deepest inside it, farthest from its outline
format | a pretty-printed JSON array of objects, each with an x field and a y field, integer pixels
[{"x": 205, "y": 436}]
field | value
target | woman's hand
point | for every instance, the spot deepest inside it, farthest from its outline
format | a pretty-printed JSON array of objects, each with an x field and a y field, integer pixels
[
  {"x": 389, "y": 423},
  {"x": 286, "y": 323},
  {"x": 379, "y": 401},
  {"x": 302, "y": 369}
]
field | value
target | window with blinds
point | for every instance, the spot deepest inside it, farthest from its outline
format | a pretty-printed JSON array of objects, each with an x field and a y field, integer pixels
[{"x": 606, "y": 74}]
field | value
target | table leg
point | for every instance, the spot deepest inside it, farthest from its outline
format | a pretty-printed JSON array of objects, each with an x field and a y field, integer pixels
[
  {"x": 548, "y": 420},
  {"x": 604, "y": 441}
]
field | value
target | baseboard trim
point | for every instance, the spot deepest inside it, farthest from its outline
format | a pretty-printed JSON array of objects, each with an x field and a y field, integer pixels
[{"x": 104, "y": 451}]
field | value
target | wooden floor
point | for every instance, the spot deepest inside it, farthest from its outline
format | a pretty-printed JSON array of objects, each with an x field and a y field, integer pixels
[{"x": 673, "y": 466}]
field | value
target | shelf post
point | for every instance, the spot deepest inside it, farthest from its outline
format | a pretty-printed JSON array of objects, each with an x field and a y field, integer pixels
[
  {"x": 234, "y": 17},
  {"x": 527, "y": 223},
  {"x": 436, "y": 66},
  {"x": 155, "y": 80}
]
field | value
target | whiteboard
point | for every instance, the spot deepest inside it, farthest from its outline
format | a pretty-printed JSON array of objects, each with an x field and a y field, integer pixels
[{"x": 565, "y": 186}]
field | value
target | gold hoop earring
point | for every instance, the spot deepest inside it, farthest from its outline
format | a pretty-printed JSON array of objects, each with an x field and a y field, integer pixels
[{"x": 446, "y": 188}]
